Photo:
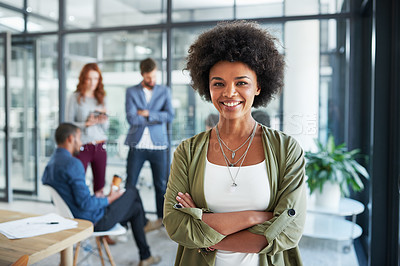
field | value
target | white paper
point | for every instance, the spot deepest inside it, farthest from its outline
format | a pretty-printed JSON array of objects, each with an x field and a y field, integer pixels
[{"x": 35, "y": 226}]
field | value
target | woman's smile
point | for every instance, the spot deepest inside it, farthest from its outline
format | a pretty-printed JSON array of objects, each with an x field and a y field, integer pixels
[{"x": 231, "y": 103}]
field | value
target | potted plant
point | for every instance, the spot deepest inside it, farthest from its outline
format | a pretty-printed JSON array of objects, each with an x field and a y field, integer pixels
[{"x": 331, "y": 171}]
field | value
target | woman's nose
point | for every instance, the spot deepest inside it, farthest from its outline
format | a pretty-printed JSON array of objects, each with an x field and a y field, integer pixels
[{"x": 230, "y": 90}]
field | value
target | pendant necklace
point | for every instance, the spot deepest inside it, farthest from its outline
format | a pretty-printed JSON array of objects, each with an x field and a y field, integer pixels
[
  {"x": 235, "y": 150},
  {"x": 228, "y": 164}
]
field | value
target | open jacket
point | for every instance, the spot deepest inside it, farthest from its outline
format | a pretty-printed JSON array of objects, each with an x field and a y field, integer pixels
[
  {"x": 285, "y": 167},
  {"x": 160, "y": 109}
]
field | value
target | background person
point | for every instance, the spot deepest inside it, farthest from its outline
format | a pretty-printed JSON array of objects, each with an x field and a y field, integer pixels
[
  {"x": 148, "y": 110},
  {"x": 261, "y": 117},
  {"x": 66, "y": 174},
  {"x": 211, "y": 121},
  {"x": 236, "y": 193},
  {"x": 86, "y": 108}
]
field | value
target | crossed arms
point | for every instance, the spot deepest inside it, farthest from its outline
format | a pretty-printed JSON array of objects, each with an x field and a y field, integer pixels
[{"x": 233, "y": 225}]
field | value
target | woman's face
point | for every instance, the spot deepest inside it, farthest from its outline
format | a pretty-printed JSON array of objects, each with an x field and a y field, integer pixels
[
  {"x": 233, "y": 86},
  {"x": 92, "y": 80}
]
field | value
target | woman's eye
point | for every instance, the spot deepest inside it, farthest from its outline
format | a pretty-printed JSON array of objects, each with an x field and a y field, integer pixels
[
  {"x": 218, "y": 84},
  {"x": 241, "y": 83}
]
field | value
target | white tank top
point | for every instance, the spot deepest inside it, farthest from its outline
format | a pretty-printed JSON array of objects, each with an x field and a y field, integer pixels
[{"x": 252, "y": 193}]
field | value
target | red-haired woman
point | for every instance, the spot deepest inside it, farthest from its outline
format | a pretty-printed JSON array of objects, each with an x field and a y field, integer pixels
[{"x": 86, "y": 108}]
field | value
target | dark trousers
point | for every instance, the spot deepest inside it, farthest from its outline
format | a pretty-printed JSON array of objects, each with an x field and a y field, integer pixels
[
  {"x": 128, "y": 208},
  {"x": 96, "y": 155},
  {"x": 158, "y": 163}
]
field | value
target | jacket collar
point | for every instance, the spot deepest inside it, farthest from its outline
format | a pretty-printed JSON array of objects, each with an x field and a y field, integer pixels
[{"x": 155, "y": 91}]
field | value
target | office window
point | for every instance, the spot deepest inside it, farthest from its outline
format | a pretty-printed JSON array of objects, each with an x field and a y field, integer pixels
[
  {"x": 190, "y": 109},
  {"x": 2, "y": 122},
  {"x": 41, "y": 25},
  {"x": 15, "y": 3},
  {"x": 333, "y": 79},
  {"x": 48, "y": 105},
  {"x": 259, "y": 8},
  {"x": 11, "y": 21},
  {"x": 314, "y": 7},
  {"x": 48, "y": 15},
  {"x": 183, "y": 10},
  {"x": 45, "y": 8},
  {"x": 109, "y": 13}
]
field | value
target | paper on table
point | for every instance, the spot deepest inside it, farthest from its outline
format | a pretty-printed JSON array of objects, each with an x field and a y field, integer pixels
[{"x": 35, "y": 226}]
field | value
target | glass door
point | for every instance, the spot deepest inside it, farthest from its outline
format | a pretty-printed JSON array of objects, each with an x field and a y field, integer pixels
[
  {"x": 23, "y": 117},
  {"x": 5, "y": 187}
]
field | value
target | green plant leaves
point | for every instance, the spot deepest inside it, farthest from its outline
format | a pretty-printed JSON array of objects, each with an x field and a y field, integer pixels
[{"x": 335, "y": 164}]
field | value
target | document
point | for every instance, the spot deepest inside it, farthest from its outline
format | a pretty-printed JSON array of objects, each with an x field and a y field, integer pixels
[{"x": 34, "y": 226}]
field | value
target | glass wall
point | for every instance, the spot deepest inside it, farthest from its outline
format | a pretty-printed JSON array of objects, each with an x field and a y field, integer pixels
[
  {"x": 42, "y": 15},
  {"x": 259, "y": 8},
  {"x": 22, "y": 115},
  {"x": 109, "y": 13},
  {"x": 14, "y": 3},
  {"x": 11, "y": 21},
  {"x": 202, "y": 10},
  {"x": 190, "y": 110},
  {"x": 184, "y": 11},
  {"x": 2, "y": 122},
  {"x": 47, "y": 91},
  {"x": 315, "y": 52}
]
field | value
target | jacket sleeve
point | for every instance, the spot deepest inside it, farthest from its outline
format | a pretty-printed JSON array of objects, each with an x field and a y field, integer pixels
[
  {"x": 71, "y": 112},
  {"x": 81, "y": 192},
  {"x": 166, "y": 114},
  {"x": 284, "y": 230},
  {"x": 105, "y": 125},
  {"x": 185, "y": 225},
  {"x": 131, "y": 110}
]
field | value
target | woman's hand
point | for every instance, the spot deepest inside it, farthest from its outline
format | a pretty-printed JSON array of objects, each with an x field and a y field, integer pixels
[
  {"x": 102, "y": 118},
  {"x": 185, "y": 200},
  {"x": 91, "y": 120},
  {"x": 94, "y": 119}
]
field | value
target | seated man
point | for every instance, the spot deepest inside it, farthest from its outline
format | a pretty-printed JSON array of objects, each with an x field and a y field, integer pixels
[{"x": 66, "y": 174}]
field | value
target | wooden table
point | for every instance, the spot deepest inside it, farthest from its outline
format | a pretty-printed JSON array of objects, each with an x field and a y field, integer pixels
[{"x": 40, "y": 247}]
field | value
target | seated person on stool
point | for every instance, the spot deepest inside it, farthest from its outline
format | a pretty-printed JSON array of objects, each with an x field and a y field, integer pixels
[{"x": 66, "y": 174}]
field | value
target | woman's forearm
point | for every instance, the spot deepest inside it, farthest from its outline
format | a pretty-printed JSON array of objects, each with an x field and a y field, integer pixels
[
  {"x": 232, "y": 222},
  {"x": 229, "y": 222},
  {"x": 242, "y": 241}
]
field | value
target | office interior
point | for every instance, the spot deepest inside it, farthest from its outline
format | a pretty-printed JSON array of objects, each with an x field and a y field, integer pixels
[{"x": 342, "y": 78}]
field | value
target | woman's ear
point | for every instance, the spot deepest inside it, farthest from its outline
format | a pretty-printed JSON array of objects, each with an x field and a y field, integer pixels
[{"x": 258, "y": 90}]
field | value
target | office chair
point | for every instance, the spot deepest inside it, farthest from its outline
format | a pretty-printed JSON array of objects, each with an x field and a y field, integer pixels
[
  {"x": 23, "y": 261},
  {"x": 63, "y": 210}
]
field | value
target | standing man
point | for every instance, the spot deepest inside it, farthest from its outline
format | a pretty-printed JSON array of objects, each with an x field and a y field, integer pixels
[
  {"x": 148, "y": 110},
  {"x": 66, "y": 174}
]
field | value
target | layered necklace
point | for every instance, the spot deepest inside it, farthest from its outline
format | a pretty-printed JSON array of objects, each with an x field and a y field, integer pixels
[{"x": 243, "y": 157}]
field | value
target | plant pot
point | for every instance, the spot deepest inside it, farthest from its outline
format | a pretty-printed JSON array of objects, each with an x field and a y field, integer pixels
[{"x": 330, "y": 196}]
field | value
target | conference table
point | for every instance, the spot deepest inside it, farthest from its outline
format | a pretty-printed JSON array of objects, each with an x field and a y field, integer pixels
[{"x": 42, "y": 246}]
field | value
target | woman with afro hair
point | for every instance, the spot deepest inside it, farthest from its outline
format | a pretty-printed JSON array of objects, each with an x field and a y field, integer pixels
[{"x": 236, "y": 193}]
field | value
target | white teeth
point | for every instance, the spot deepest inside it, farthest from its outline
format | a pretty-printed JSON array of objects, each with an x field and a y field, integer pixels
[{"x": 231, "y": 104}]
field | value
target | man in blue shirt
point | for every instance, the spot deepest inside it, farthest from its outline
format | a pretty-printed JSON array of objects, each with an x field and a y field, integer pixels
[
  {"x": 148, "y": 110},
  {"x": 66, "y": 174}
]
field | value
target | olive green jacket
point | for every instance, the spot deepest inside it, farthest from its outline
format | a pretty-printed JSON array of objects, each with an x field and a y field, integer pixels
[{"x": 285, "y": 167}]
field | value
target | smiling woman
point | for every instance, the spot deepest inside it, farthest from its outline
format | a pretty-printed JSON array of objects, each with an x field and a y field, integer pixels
[
  {"x": 236, "y": 192},
  {"x": 233, "y": 86}
]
